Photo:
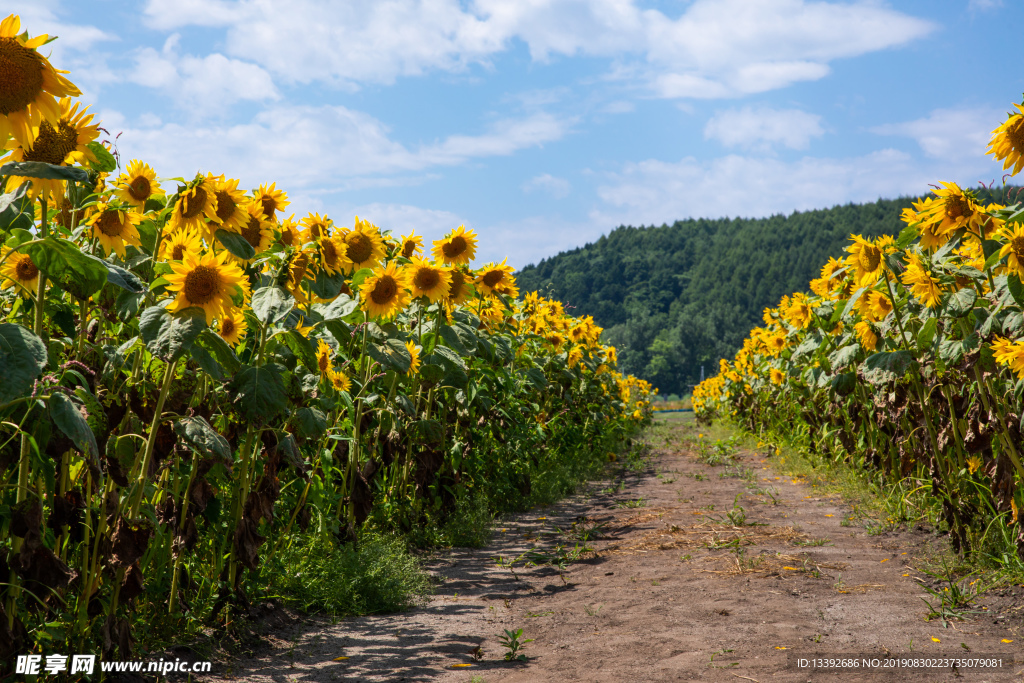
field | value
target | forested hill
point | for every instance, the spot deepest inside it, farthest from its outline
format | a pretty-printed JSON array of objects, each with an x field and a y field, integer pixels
[{"x": 676, "y": 297}]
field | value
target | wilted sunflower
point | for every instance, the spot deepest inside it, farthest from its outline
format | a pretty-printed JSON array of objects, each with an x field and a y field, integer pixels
[
  {"x": 257, "y": 231},
  {"x": 1007, "y": 144},
  {"x": 194, "y": 206},
  {"x": 205, "y": 281},
  {"x": 384, "y": 292},
  {"x": 271, "y": 200},
  {"x": 173, "y": 247},
  {"x": 428, "y": 279},
  {"x": 323, "y": 357},
  {"x": 232, "y": 326},
  {"x": 231, "y": 205},
  {"x": 339, "y": 380},
  {"x": 458, "y": 247},
  {"x": 1014, "y": 247},
  {"x": 62, "y": 144},
  {"x": 29, "y": 85},
  {"x": 19, "y": 271},
  {"x": 288, "y": 233},
  {"x": 137, "y": 184},
  {"x": 412, "y": 245},
  {"x": 365, "y": 246},
  {"x": 414, "y": 355},
  {"x": 115, "y": 228},
  {"x": 317, "y": 227},
  {"x": 334, "y": 255}
]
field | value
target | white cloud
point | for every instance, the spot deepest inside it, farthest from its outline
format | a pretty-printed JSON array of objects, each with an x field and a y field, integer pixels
[
  {"x": 983, "y": 5},
  {"x": 949, "y": 133},
  {"x": 556, "y": 187},
  {"x": 318, "y": 146},
  {"x": 618, "y": 107},
  {"x": 763, "y": 127},
  {"x": 714, "y": 48},
  {"x": 402, "y": 219}
]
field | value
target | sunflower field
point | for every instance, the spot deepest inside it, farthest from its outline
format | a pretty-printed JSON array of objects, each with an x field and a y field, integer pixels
[
  {"x": 191, "y": 378},
  {"x": 907, "y": 358}
]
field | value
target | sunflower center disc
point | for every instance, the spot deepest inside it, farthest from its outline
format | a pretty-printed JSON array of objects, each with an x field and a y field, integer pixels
[
  {"x": 251, "y": 232},
  {"x": 195, "y": 202},
  {"x": 316, "y": 231},
  {"x": 408, "y": 249},
  {"x": 454, "y": 248},
  {"x": 297, "y": 271},
  {"x": 225, "y": 206},
  {"x": 25, "y": 269},
  {"x": 384, "y": 291},
  {"x": 426, "y": 279},
  {"x": 1015, "y": 134},
  {"x": 330, "y": 253},
  {"x": 287, "y": 237},
  {"x": 227, "y": 328},
  {"x": 21, "y": 76},
  {"x": 1017, "y": 246},
  {"x": 109, "y": 223},
  {"x": 957, "y": 207},
  {"x": 140, "y": 189},
  {"x": 178, "y": 252},
  {"x": 269, "y": 207},
  {"x": 53, "y": 145},
  {"x": 201, "y": 284},
  {"x": 323, "y": 361},
  {"x": 493, "y": 277},
  {"x": 870, "y": 257},
  {"x": 359, "y": 247}
]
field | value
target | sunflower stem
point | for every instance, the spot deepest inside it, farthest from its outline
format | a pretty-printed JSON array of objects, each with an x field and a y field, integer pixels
[{"x": 147, "y": 457}]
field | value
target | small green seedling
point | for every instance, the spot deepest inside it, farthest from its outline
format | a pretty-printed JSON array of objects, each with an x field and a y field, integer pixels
[{"x": 511, "y": 641}]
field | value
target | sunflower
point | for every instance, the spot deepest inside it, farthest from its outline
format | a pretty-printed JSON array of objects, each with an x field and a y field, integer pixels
[
  {"x": 458, "y": 247},
  {"x": 137, "y": 185},
  {"x": 920, "y": 281},
  {"x": 334, "y": 255},
  {"x": 323, "y": 357},
  {"x": 114, "y": 228},
  {"x": 798, "y": 311},
  {"x": 954, "y": 209},
  {"x": 271, "y": 200},
  {"x": 866, "y": 334},
  {"x": 412, "y": 245},
  {"x": 973, "y": 463},
  {"x": 365, "y": 247},
  {"x": 194, "y": 206},
  {"x": 232, "y": 326},
  {"x": 1014, "y": 247},
  {"x": 1009, "y": 353},
  {"x": 867, "y": 258},
  {"x": 384, "y": 292},
  {"x": 29, "y": 85},
  {"x": 288, "y": 232},
  {"x": 1007, "y": 144},
  {"x": 458, "y": 289},
  {"x": 17, "y": 270},
  {"x": 427, "y": 279},
  {"x": 257, "y": 231},
  {"x": 317, "y": 227},
  {"x": 205, "y": 281},
  {"x": 875, "y": 306},
  {"x": 339, "y": 380},
  {"x": 231, "y": 205},
  {"x": 776, "y": 376},
  {"x": 414, "y": 355},
  {"x": 574, "y": 357},
  {"x": 62, "y": 144},
  {"x": 833, "y": 277},
  {"x": 173, "y": 247}
]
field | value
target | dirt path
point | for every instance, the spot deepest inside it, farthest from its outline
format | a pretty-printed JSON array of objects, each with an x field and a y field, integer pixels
[{"x": 659, "y": 602}]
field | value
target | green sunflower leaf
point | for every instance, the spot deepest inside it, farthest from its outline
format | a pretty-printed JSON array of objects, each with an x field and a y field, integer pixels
[
  {"x": 199, "y": 435},
  {"x": 887, "y": 366},
  {"x": 39, "y": 169},
  {"x": 235, "y": 244},
  {"x": 22, "y": 359},
  {"x": 67, "y": 266},
  {"x": 168, "y": 335},
  {"x": 125, "y": 279},
  {"x": 105, "y": 161},
  {"x": 327, "y": 286},
  {"x": 272, "y": 304},
  {"x": 260, "y": 392},
  {"x": 67, "y": 413}
]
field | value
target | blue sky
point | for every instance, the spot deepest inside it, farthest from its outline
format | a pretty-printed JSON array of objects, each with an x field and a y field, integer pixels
[{"x": 543, "y": 124}]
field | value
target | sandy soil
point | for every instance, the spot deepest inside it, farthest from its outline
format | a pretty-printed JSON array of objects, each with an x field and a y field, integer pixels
[{"x": 656, "y": 601}]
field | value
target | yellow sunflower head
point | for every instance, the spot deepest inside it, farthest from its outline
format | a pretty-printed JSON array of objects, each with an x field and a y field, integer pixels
[
  {"x": 458, "y": 247},
  {"x": 430, "y": 280},
  {"x": 18, "y": 271},
  {"x": 62, "y": 143},
  {"x": 921, "y": 282},
  {"x": 195, "y": 205},
  {"x": 29, "y": 85},
  {"x": 137, "y": 184},
  {"x": 317, "y": 228},
  {"x": 365, "y": 246},
  {"x": 232, "y": 326},
  {"x": 866, "y": 334},
  {"x": 257, "y": 231},
  {"x": 384, "y": 292},
  {"x": 458, "y": 287},
  {"x": 115, "y": 228},
  {"x": 412, "y": 245},
  {"x": 414, "y": 354},
  {"x": 231, "y": 214},
  {"x": 867, "y": 259},
  {"x": 776, "y": 376},
  {"x": 288, "y": 232},
  {"x": 953, "y": 209},
  {"x": 323, "y": 357},
  {"x": 1007, "y": 143},
  {"x": 334, "y": 255},
  {"x": 175, "y": 246},
  {"x": 339, "y": 380},
  {"x": 205, "y": 281},
  {"x": 271, "y": 200},
  {"x": 574, "y": 357},
  {"x": 1013, "y": 249}
]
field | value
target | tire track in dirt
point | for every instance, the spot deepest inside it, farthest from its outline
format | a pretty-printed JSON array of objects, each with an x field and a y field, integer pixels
[{"x": 676, "y": 590}]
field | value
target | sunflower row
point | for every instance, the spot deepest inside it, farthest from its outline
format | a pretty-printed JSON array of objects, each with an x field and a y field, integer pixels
[
  {"x": 195, "y": 378},
  {"x": 907, "y": 355}
]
